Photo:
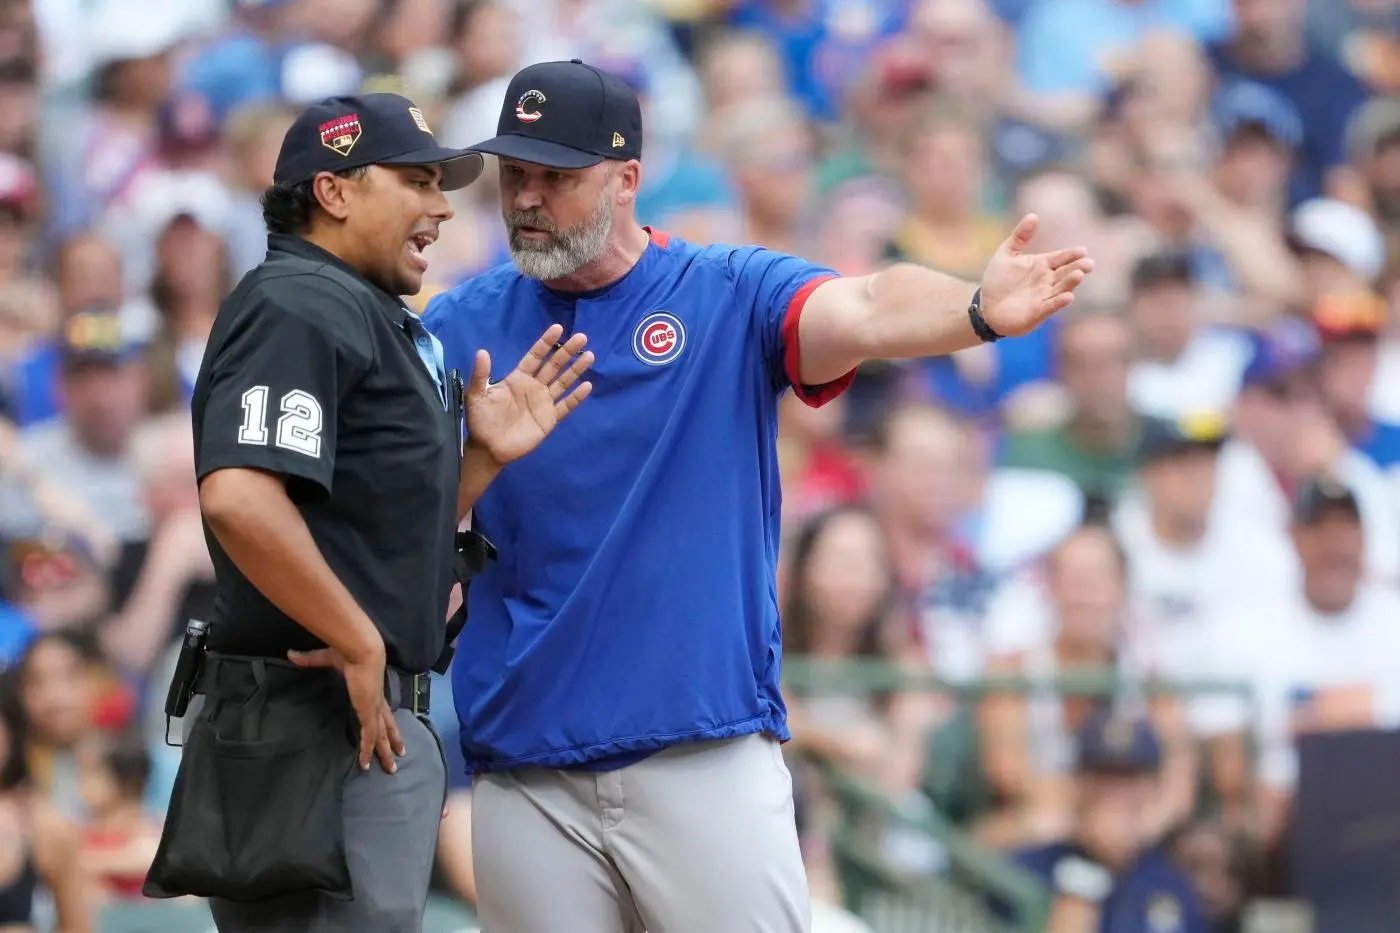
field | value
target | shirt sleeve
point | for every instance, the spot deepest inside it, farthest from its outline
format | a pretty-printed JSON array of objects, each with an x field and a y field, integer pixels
[
  {"x": 775, "y": 287},
  {"x": 276, "y": 382}
]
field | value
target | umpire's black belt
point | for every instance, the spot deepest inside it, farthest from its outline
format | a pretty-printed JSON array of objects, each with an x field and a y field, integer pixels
[{"x": 402, "y": 690}]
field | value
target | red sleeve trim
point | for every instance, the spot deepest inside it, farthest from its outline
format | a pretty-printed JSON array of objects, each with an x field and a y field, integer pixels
[
  {"x": 815, "y": 396},
  {"x": 661, "y": 238}
]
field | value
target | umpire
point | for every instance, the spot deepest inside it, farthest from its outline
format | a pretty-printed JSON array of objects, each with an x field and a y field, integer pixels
[{"x": 333, "y": 475}]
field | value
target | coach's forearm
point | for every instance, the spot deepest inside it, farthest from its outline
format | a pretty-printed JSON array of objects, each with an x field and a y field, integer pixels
[
  {"x": 267, "y": 539},
  {"x": 902, "y": 312},
  {"x": 917, "y": 312},
  {"x": 478, "y": 470}
]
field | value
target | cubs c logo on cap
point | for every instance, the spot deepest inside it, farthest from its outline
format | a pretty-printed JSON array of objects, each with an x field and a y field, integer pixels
[
  {"x": 659, "y": 339},
  {"x": 525, "y": 110},
  {"x": 341, "y": 134}
]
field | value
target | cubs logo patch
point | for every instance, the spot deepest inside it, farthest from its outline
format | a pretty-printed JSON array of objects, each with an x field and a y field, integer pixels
[
  {"x": 527, "y": 107},
  {"x": 659, "y": 339},
  {"x": 341, "y": 134}
]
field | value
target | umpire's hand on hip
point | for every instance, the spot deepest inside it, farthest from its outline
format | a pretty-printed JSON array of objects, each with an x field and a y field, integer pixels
[
  {"x": 364, "y": 680},
  {"x": 510, "y": 418}
]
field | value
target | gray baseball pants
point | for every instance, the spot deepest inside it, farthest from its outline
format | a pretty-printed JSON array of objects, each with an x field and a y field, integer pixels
[
  {"x": 699, "y": 838},
  {"x": 391, "y": 827}
]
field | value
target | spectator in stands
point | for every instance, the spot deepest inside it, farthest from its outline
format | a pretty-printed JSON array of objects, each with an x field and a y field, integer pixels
[
  {"x": 1077, "y": 621},
  {"x": 1373, "y": 141},
  {"x": 837, "y": 606},
  {"x": 948, "y": 228},
  {"x": 1096, "y": 444},
  {"x": 175, "y": 581},
  {"x": 818, "y": 470},
  {"x": 1270, "y": 47},
  {"x": 1222, "y": 867},
  {"x": 66, "y": 692},
  {"x": 37, "y": 845},
  {"x": 56, "y": 582},
  {"x": 1281, "y": 435},
  {"x": 766, "y": 147},
  {"x": 1182, "y": 365},
  {"x": 192, "y": 276},
  {"x": 1350, "y": 327},
  {"x": 252, "y": 137},
  {"x": 103, "y": 383},
  {"x": 1181, "y": 562},
  {"x": 19, "y": 190},
  {"x": 1323, "y": 655},
  {"x": 119, "y": 838},
  {"x": 926, "y": 478},
  {"x": 1108, "y": 873},
  {"x": 1340, "y": 247}
]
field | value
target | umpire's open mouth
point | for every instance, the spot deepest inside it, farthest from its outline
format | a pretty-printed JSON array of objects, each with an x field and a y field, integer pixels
[{"x": 415, "y": 245}]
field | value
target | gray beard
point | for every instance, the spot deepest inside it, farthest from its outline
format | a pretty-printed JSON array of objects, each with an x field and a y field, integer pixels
[{"x": 566, "y": 251}]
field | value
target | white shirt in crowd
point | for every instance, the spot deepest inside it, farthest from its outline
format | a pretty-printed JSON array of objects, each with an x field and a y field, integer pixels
[
  {"x": 1171, "y": 590},
  {"x": 1285, "y": 650},
  {"x": 1205, "y": 377},
  {"x": 1249, "y": 496}
]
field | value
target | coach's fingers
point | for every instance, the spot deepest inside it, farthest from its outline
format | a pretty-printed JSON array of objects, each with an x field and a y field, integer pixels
[
  {"x": 1064, "y": 257},
  {"x": 535, "y": 357},
  {"x": 573, "y": 400},
  {"x": 571, "y": 375},
  {"x": 560, "y": 358},
  {"x": 481, "y": 373}
]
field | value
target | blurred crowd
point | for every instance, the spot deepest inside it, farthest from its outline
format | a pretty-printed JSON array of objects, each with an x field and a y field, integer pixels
[{"x": 1192, "y": 475}]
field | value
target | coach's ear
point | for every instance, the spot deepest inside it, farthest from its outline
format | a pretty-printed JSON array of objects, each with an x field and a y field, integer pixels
[{"x": 629, "y": 176}]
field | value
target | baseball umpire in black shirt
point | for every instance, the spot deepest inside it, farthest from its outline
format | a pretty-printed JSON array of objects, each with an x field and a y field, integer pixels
[{"x": 333, "y": 476}]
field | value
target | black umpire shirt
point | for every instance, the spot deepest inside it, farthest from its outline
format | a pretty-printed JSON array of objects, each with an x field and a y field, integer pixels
[{"x": 311, "y": 372}]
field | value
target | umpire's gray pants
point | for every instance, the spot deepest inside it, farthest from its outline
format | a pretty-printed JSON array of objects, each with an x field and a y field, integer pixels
[
  {"x": 699, "y": 838},
  {"x": 391, "y": 829}
]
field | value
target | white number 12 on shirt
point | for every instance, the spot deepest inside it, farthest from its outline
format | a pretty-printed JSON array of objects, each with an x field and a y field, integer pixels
[{"x": 298, "y": 427}]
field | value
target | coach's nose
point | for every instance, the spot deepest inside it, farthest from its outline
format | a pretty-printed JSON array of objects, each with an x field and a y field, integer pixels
[{"x": 527, "y": 196}]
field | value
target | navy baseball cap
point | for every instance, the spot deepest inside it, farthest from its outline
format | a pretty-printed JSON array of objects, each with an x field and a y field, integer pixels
[
  {"x": 1163, "y": 438},
  {"x": 1320, "y": 495},
  {"x": 368, "y": 129},
  {"x": 97, "y": 335},
  {"x": 1112, "y": 742},
  {"x": 567, "y": 115},
  {"x": 1288, "y": 348}
]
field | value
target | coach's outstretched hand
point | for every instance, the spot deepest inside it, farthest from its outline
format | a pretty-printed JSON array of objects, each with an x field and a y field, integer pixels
[
  {"x": 1020, "y": 289},
  {"x": 510, "y": 418}
]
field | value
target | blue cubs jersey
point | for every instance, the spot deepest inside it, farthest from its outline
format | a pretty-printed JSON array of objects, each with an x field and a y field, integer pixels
[{"x": 633, "y": 605}]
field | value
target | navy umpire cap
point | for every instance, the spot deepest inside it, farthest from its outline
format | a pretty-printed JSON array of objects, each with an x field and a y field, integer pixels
[
  {"x": 567, "y": 115},
  {"x": 368, "y": 129}
]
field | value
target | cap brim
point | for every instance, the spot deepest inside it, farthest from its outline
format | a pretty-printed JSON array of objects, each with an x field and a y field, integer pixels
[
  {"x": 537, "y": 152},
  {"x": 460, "y": 167}
]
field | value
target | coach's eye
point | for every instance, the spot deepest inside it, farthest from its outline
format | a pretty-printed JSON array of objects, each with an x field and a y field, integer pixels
[{"x": 554, "y": 178}]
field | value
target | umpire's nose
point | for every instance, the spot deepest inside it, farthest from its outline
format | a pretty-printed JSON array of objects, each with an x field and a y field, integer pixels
[{"x": 439, "y": 208}]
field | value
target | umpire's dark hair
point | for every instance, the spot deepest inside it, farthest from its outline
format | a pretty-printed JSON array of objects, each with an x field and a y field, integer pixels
[{"x": 288, "y": 206}]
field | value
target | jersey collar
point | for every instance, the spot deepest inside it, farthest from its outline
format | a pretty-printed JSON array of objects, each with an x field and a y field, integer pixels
[{"x": 299, "y": 246}]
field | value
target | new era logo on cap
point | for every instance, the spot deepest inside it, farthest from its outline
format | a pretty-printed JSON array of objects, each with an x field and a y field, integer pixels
[{"x": 567, "y": 115}]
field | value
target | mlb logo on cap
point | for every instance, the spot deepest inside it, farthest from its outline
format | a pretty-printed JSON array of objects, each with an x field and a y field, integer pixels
[{"x": 659, "y": 339}]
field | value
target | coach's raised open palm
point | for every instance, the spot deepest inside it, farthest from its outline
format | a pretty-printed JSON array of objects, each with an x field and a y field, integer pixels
[
  {"x": 510, "y": 418},
  {"x": 1020, "y": 289}
]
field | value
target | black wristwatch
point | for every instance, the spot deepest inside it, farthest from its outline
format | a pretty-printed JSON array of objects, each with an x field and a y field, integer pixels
[{"x": 980, "y": 327}]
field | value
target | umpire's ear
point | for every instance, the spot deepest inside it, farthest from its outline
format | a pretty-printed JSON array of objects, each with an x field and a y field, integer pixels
[{"x": 334, "y": 193}]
